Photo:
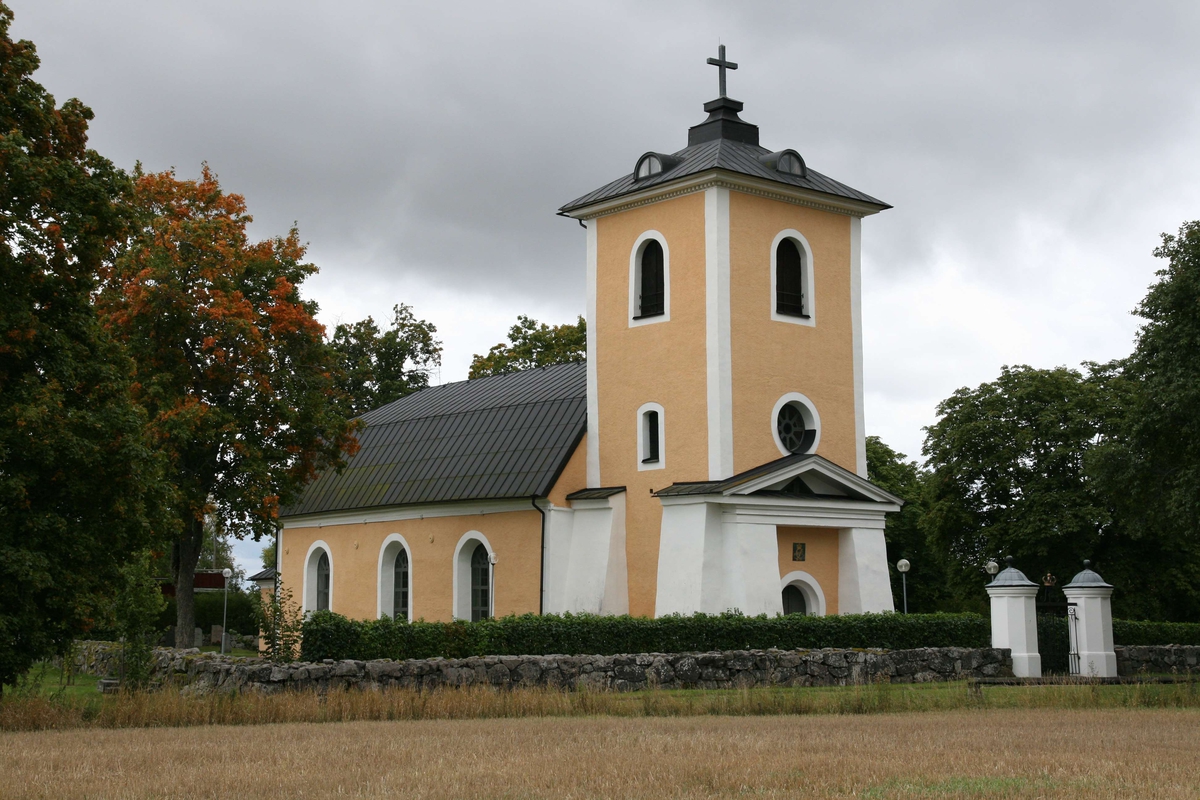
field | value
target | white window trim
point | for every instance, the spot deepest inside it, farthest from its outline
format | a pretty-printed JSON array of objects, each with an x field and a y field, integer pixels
[
  {"x": 815, "y": 420},
  {"x": 310, "y": 576},
  {"x": 462, "y": 593},
  {"x": 635, "y": 269},
  {"x": 387, "y": 577},
  {"x": 814, "y": 596},
  {"x": 641, "y": 437},
  {"x": 810, "y": 295}
]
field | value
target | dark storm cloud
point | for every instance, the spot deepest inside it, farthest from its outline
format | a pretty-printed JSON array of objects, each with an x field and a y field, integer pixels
[{"x": 1033, "y": 151}]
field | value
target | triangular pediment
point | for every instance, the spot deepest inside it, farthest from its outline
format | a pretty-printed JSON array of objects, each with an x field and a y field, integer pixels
[
  {"x": 799, "y": 477},
  {"x": 806, "y": 476}
]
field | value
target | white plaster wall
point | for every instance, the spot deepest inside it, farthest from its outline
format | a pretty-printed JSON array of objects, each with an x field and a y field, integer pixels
[
  {"x": 559, "y": 526},
  {"x": 864, "y": 584},
  {"x": 683, "y": 570},
  {"x": 751, "y": 552}
]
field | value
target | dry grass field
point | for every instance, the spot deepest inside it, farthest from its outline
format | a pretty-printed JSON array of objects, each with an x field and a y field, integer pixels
[{"x": 1096, "y": 753}]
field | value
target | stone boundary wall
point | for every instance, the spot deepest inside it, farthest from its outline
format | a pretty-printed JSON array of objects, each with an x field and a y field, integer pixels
[
  {"x": 1158, "y": 659},
  {"x": 207, "y": 672}
]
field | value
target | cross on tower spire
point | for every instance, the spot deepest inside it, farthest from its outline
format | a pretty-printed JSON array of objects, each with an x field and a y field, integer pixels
[{"x": 721, "y": 64}]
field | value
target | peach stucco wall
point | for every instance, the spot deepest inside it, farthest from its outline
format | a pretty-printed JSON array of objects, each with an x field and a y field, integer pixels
[
  {"x": 662, "y": 363},
  {"x": 515, "y": 537},
  {"x": 573, "y": 476},
  {"x": 771, "y": 358},
  {"x": 821, "y": 558}
]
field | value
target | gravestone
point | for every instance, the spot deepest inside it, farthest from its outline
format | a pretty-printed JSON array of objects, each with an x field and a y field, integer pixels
[
  {"x": 198, "y": 639},
  {"x": 217, "y": 631}
]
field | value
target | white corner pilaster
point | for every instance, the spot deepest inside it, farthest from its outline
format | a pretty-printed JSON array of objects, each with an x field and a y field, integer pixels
[
  {"x": 718, "y": 346},
  {"x": 860, "y": 411},
  {"x": 593, "y": 391},
  {"x": 864, "y": 584}
]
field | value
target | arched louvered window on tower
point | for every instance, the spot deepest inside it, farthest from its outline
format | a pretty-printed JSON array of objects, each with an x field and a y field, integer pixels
[
  {"x": 400, "y": 586},
  {"x": 790, "y": 291},
  {"x": 481, "y": 584},
  {"x": 651, "y": 282},
  {"x": 323, "y": 582}
]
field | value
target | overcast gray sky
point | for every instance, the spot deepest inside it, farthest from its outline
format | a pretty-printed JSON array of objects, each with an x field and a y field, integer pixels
[{"x": 1033, "y": 151}]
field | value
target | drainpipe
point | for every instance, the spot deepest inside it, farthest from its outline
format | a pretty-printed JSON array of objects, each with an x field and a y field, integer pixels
[{"x": 542, "y": 572}]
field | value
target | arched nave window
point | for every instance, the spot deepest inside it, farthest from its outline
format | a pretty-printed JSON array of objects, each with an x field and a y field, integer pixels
[
  {"x": 395, "y": 579},
  {"x": 318, "y": 578},
  {"x": 474, "y": 577},
  {"x": 400, "y": 586},
  {"x": 323, "y": 582},
  {"x": 481, "y": 584}
]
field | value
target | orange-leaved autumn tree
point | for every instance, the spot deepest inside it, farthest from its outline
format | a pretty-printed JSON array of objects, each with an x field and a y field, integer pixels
[{"x": 232, "y": 366}]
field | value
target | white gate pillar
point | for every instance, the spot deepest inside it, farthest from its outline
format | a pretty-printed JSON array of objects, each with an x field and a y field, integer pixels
[
  {"x": 1090, "y": 618},
  {"x": 1014, "y": 619}
]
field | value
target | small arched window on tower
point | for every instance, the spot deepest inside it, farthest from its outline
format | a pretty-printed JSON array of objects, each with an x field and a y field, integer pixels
[
  {"x": 400, "y": 586},
  {"x": 790, "y": 290},
  {"x": 323, "y": 582},
  {"x": 651, "y": 284},
  {"x": 481, "y": 584},
  {"x": 651, "y": 434}
]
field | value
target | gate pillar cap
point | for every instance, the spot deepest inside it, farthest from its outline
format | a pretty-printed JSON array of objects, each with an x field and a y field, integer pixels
[
  {"x": 1087, "y": 579},
  {"x": 1011, "y": 576}
]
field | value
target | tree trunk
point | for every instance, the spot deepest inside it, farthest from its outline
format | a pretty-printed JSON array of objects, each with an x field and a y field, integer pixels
[{"x": 184, "y": 559}]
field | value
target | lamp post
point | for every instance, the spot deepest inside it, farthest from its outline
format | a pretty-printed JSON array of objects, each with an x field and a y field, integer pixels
[
  {"x": 992, "y": 568},
  {"x": 903, "y": 567},
  {"x": 228, "y": 573}
]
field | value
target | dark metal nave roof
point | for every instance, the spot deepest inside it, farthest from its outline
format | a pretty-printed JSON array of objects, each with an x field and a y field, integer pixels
[{"x": 506, "y": 436}]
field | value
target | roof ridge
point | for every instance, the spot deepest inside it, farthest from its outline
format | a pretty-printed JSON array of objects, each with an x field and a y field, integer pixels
[{"x": 568, "y": 398}]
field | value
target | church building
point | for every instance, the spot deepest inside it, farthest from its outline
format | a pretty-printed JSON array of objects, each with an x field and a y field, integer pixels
[{"x": 709, "y": 455}]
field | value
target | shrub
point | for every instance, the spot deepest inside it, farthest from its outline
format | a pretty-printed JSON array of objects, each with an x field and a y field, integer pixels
[
  {"x": 1135, "y": 632},
  {"x": 329, "y": 635}
]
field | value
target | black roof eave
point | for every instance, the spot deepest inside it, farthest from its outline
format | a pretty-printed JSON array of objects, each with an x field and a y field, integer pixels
[
  {"x": 387, "y": 506},
  {"x": 574, "y": 208}
]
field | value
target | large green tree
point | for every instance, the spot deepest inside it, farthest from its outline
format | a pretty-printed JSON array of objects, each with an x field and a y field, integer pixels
[
  {"x": 75, "y": 475},
  {"x": 377, "y": 367},
  {"x": 1150, "y": 466},
  {"x": 232, "y": 365},
  {"x": 905, "y": 532},
  {"x": 1012, "y": 473},
  {"x": 533, "y": 344}
]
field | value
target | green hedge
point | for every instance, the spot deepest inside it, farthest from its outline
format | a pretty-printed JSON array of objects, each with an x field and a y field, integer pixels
[
  {"x": 1134, "y": 632},
  {"x": 329, "y": 635}
]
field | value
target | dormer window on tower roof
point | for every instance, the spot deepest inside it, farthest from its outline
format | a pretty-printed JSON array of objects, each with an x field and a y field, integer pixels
[
  {"x": 652, "y": 164},
  {"x": 788, "y": 162},
  {"x": 649, "y": 164}
]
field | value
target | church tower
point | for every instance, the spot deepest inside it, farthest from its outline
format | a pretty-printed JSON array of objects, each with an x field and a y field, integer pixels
[{"x": 725, "y": 347}]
